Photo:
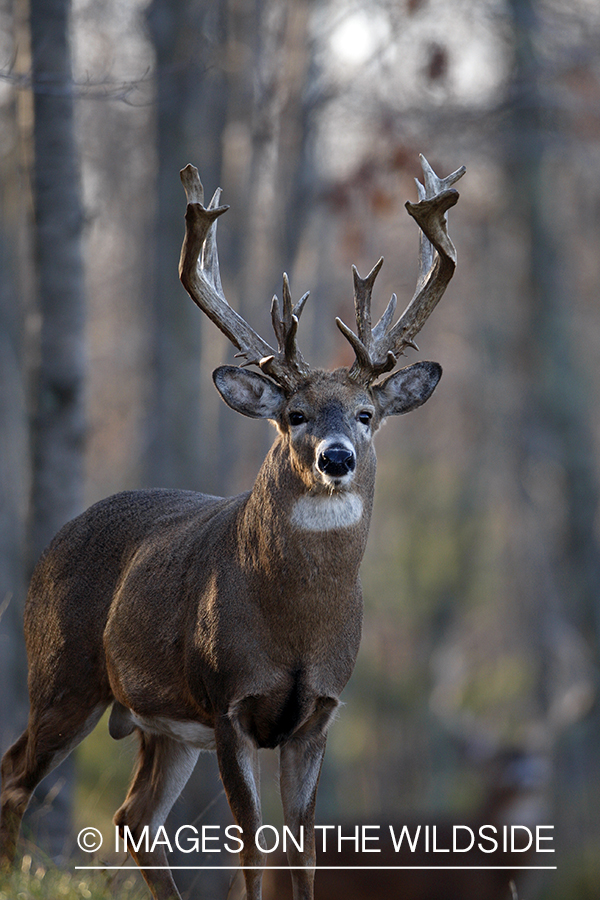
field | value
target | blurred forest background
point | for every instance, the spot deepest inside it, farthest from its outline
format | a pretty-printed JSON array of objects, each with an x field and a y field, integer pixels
[{"x": 482, "y": 576}]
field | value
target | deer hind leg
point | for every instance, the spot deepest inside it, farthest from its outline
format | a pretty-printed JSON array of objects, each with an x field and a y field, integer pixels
[
  {"x": 48, "y": 739},
  {"x": 164, "y": 766},
  {"x": 300, "y": 761}
]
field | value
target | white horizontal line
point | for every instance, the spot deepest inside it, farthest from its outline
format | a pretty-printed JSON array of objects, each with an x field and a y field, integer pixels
[{"x": 332, "y": 868}]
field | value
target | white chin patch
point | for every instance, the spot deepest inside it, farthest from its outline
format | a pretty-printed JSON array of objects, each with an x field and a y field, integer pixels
[{"x": 325, "y": 512}]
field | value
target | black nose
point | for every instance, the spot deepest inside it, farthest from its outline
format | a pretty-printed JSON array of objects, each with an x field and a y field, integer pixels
[{"x": 336, "y": 461}]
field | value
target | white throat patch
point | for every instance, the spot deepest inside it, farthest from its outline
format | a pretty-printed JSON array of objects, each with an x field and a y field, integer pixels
[{"x": 325, "y": 512}]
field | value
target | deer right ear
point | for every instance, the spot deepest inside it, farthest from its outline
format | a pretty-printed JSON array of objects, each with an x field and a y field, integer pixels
[{"x": 248, "y": 392}]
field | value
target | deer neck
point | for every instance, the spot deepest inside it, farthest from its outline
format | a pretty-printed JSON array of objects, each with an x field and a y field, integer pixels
[{"x": 284, "y": 516}]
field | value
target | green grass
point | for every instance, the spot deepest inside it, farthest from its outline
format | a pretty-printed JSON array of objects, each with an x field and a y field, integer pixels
[{"x": 35, "y": 880}]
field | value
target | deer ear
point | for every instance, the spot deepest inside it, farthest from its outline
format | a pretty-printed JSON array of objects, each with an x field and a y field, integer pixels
[
  {"x": 407, "y": 389},
  {"x": 248, "y": 392}
]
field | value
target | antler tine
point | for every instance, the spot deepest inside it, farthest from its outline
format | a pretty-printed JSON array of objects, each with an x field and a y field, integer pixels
[
  {"x": 200, "y": 276},
  {"x": 210, "y": 255},
  {"x": 285, "y": 326},
  {"x": 377, "y": 350},
  {"x": 363, "y": 288},
  {"x": 362, "y": 343}
]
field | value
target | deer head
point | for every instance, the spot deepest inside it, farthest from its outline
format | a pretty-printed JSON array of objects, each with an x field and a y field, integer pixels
[{"x": 289, "y": 394}]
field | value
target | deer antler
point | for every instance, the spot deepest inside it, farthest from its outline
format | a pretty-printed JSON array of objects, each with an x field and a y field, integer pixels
[
  {"x": 199, "y": 274},
  {"x": 378, "y": 349}
]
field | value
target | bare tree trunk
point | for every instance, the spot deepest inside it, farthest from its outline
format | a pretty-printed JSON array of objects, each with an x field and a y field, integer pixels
[
  {"x": 560, "y": 566},
  {"x": 58, "y": 422},
  {"x": 556, "y": 421},
  {"x": 13, "y": 423},
  {"x": 13, "y": 455},
  {"x": 191, "y": 114}
]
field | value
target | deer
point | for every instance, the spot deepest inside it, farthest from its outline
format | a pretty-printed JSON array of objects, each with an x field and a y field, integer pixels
[{"x": 229, "y": 624}]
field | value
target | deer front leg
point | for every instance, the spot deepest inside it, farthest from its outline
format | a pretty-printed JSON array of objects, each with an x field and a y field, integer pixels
[
  {"x": 301, "y": 758},
  {"x": 237, "y": 755}
]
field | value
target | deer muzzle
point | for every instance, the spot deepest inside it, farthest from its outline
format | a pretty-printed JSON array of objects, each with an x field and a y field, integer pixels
[{"x": 336, "y": 460}]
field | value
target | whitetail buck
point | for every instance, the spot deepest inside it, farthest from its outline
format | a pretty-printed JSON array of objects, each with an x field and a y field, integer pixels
[{"x": 228, "y": 624}]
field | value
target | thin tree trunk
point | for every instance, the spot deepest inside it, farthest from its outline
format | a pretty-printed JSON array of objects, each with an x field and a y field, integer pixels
[
  {"x": 13, "y": 457},
  {"x": 13, "y": 423},
  {"x": 191, "y": 113},
  {"x": 558, "y": 563},
  {"x": 57, "y": 423}
]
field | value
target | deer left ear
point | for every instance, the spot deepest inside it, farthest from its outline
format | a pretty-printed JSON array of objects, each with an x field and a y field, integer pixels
[
  {"x": 406, "y": 389},
  {"x": 248, "y": 392}
]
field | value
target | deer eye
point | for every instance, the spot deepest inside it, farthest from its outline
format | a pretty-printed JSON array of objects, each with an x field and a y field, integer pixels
[
  {"x": 297, "y": 418},
  {"x": 364, "y": 417}
]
